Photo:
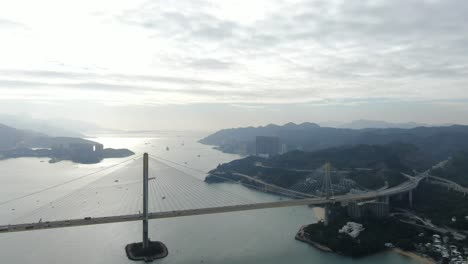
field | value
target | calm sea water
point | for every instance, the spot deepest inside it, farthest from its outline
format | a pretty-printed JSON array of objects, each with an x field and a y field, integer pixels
[{"x": 262, "y": 236}]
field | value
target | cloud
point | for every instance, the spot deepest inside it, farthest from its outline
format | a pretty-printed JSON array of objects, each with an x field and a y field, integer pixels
[
  {"x": 9, "y": 24},
  {"x": 275, "y": 51},
  {"x": 212, "y": 64},
  {"x": 332, "y": 39},
  {"x": 231, "y": 95},
  {"x": 109, "y": 76}
]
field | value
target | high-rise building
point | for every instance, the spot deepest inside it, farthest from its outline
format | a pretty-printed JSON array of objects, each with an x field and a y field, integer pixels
[
  {"x": 267, "y": 146},
  {"x": 364, "y": 209},
  {"x": 284, "y": 148}
]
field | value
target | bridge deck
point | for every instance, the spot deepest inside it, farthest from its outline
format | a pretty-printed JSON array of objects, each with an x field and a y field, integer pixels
[{"x": 404, "y": 187}]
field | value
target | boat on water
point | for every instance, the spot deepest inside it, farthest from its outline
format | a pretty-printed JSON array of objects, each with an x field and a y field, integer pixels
[{"x": 167, "y": 148}]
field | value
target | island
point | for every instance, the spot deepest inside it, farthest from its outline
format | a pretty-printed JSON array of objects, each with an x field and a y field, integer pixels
[{"x": 15, "y": 143}]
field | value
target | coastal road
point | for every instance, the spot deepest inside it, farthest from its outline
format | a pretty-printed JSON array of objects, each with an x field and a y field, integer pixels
[{"x": 280, "y": 189}]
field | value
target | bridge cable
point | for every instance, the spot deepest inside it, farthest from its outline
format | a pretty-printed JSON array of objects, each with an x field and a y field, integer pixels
[
  {"x": 230, "y": 180},
  {"x": 64, "y": 183},
  {"x": 71, "y": 199},
  {"x": 224, "y": 178},
  {"x": 189, "y": 186}
]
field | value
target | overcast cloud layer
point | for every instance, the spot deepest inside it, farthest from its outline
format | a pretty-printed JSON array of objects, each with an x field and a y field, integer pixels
[{"x": 247, "y": 54}]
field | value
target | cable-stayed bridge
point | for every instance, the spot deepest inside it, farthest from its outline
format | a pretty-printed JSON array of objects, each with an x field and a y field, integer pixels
[{"x": 118, "y": 197}]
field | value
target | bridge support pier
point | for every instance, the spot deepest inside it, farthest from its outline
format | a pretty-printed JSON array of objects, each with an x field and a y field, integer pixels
[
  {"x": 384, "y": 199},
  {"x": 146, "y": 250},
  {"x": 326, "y": 216},
  {"x": 410, "y": 198}
]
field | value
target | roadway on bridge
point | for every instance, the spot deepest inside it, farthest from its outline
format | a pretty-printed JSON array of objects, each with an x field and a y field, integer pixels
[{"x": 402, "y": 188}]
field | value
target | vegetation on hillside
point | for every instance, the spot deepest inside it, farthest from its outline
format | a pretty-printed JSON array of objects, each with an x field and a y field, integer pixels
[
  {"x": 370, "y": 167},
  {"x": 371, "y": 240},
  {"x": 440, "y": 205},
  {"x": 456, "y": 169},
  {"x": 433, "y": 143}
]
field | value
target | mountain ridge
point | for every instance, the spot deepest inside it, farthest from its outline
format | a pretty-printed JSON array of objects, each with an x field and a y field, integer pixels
[{"x": 434, "y": 143}]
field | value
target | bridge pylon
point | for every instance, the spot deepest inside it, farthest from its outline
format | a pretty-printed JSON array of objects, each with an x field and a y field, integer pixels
[
  {"x": 146, "y": 250},
  {"x": 327, "y": 185},
  {"x": 410, "y": 198},
  {"x": 327, "y": 189}
]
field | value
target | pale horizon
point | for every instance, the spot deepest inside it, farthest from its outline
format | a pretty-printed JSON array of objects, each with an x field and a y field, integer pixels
[{"x": 208, "y": 65}]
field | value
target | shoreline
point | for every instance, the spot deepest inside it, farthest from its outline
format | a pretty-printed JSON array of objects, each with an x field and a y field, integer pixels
[
  {"x": 414, "y": 256},
  {"x": 300, "y": 237},
  {"x": 319, "y": 213}
]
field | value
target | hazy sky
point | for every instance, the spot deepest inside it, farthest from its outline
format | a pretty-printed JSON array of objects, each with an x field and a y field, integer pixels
[{"x": 143, "y": 64}]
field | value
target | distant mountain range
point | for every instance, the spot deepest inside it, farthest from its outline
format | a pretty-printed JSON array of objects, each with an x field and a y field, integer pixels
[
  {"x": 13, "y": 138},
  {"x": 433, "y": 143},
  {"x": 51, "y": 127},
  {"x": 362, "y": 123},
  {"x": 365, "y": 123}
]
